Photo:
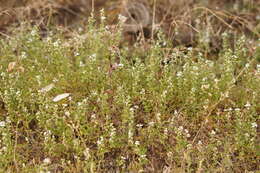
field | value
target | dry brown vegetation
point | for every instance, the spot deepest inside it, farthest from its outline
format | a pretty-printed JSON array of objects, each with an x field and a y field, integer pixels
[{"x": 185, "y": 22}]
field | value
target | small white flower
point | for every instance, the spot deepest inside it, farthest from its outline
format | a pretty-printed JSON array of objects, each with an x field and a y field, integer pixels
[
  {"x": 180, "y": 128},
  {"x": 169, "y": 154},
  {"x": 55, "y": 80},
  {"x": 2, "y": 74},
  {"x": 81, "y": 64},
  {"x": 34, "y": 32},
  {"x": 151, "y": 123},
  {"x": 142, "y": 91},
  {"x": 2, "y": 123},
  {"x": 120, "y": 65},
  {"x": 199, "y": 143},
  {"x": 93, "y": 116},
  {"x": 189, "y": 146},
  {"x": 60, "y": 97},
  {"x": 143, "y": 156},
  {"x": 237, "y": 109},
  {"x": 213, "y": 132},
  {"x": 247, "y": 105},
  {"x": 67, "y": 113},
  {"x": 165, "y": 92},
  {"x": 123, "y": 158},
  {"x": 195, "y": 68},
  {"x": 179, "y": 74},
  {"x": 130, "y": 136},
  {"x": 103, "y": 18},
  {"x": 122, "y": 18},
  {"x": 139, "y": 125},
  {"x": 56, "y": 44},
  {"x": 23, "y": 55},
  {"x": 254, "y": 125},
  {"x": 136, "y": 107},
  {"x": 112, "y": 134},
  {"x": 38, "y": 77},
  {"x": 258, "y": 66},
  {"x": 94, "y": 55},
  {"x": 216, "y": 80},
  {"x": 76, "y": 54},
  {"x": 206, "y": 107},
  {"x": 107, "y": 28},
  {"x": 47, "y": 161},
  {"x": 132, "y": 109},
  {"x": 137, "y": 142},
  {"x": 100, "y": 141},
  {"x": 165, "y": 131},
  {"x": 226, "y": 94},
  {"x": 80, "y": 29},
  {"x": 115, "y": 66},
  {"x": 94, "y": 93}
]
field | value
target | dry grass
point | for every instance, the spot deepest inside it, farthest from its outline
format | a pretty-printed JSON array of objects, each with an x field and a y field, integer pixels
[{"x": 183, "y": 21}]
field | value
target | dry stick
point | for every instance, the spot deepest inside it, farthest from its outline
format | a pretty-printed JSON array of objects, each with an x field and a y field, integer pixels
[
  {"x": 239, "y": 19},
  {"x": 221, "y": 99},
  {"x": 164, "y": 16},
  {"x": 5, "y": 35},
  {"x": 173, "y": 23},
  {"x": 153, "y": 22},
  {"x": 214, "y": 14},
  {"x": 5, "y": 12},
  {"x": 227, "y": 14},
  {"x": 15, "y": 147},
  {"x": 93, "y": 6},
  {"x": 192, "y": 27}
]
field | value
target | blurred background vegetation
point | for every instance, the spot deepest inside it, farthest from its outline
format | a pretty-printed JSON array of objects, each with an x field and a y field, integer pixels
[{"x": 185, "y": 22}]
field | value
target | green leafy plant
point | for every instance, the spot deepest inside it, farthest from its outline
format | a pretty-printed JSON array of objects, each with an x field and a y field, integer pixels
[{"x": 82, "y": 105}]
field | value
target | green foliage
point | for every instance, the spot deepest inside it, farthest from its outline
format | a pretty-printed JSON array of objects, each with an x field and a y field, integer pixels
[{"x": 175, "y": 111}]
